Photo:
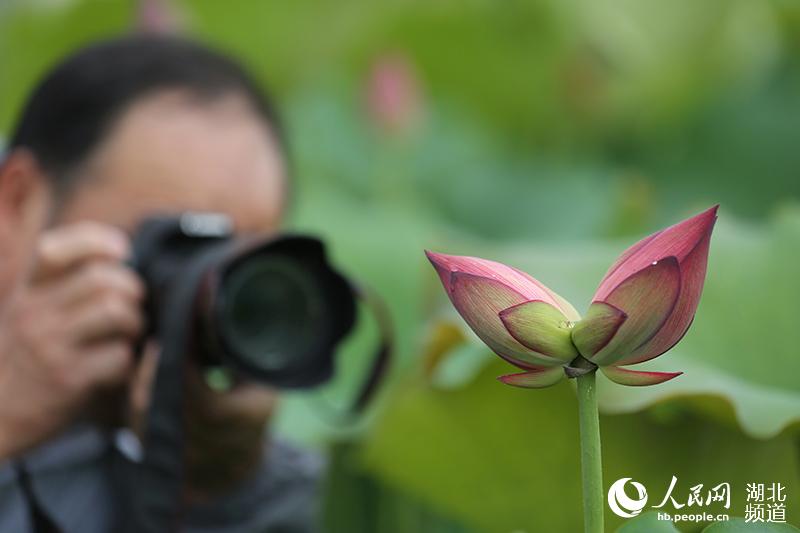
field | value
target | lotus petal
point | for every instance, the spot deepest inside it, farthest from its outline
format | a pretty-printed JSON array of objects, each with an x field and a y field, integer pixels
[
  {"x": 534, "y": 380},
  {"x": 479, "y": 300},
  {"x": 678, "y": 240},
  {"x": 647, "y": 298},
  {"x": 540, "y": 327},
  {"x": 636, "y": 378},
  {"x": 519, "y": 281},
  {"x": 597, "y": 328},
  {"x": 693, "y": 275}
]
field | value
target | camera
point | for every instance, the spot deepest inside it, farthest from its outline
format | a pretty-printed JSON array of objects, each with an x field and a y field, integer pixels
[{"x": 271, "y": 309}]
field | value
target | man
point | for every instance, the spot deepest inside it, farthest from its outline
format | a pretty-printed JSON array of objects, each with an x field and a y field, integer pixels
[{"x": 120, "y": 131}]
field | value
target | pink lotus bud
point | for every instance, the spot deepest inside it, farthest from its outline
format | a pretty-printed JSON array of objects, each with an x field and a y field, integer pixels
[
  {"x": 520, "y": 319},
  {"x": 647, "y": 300},
  {"x": 159, "y": 16},
  {"x": 393, "y": 94},
  {"x": 643, "y": 307}
]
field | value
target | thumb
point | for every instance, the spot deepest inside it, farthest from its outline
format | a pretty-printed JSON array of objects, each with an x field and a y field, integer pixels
[{"x": 141, "y": 386}]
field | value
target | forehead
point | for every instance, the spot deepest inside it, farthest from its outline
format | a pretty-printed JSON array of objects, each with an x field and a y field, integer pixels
[{"x": 171, "y": 153}]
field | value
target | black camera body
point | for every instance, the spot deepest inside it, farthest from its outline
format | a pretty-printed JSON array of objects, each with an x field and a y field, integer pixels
[{"x": 272, "y": 309}]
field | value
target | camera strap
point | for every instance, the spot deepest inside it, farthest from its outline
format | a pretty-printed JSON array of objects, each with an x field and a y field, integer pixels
[
  {"x": 332, "y": 412},
  {"x": 151, "y": 490},
  {"x": 40, "y": 519},
  {"x": 383, "y": 352}
]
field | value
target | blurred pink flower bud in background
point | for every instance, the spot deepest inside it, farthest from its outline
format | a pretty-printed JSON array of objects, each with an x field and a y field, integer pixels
[
  {"x": 393, "y": 94},
  {"x": 159, "y": 16}
]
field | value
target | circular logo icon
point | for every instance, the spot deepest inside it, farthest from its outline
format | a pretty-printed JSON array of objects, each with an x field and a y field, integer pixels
[{"x": 621, "y": 504}]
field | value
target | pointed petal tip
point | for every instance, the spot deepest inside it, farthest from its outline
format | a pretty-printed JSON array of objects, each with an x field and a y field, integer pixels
[
  {"x": 703, "y": 221},
  {"x": 710, "y": 214},
  {"x": 434, "y": 257},
  {"x": 440, "y": 264}
]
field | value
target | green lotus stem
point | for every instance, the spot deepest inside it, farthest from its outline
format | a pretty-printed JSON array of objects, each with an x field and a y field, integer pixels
[{"x": 591, "y": 463}]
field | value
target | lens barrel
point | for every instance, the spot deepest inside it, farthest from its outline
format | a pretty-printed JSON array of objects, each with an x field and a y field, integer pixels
[{"x": 272, "y": 309}]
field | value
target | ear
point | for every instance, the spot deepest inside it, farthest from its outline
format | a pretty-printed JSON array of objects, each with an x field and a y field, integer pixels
[
  {"x": 23, "y": 188},
  {"x": 24, "y": 206},
  {"x": 25, "y": 200}
]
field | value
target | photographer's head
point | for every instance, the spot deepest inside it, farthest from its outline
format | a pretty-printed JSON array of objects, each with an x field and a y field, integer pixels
[{"x": 147, "y": 124}]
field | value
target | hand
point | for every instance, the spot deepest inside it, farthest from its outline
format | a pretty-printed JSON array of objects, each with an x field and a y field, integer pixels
[
  {"x": 225, "y": 431},
  {"x": 67, "y": 333}
]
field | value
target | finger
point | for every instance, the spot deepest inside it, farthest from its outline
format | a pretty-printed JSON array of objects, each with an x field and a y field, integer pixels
[
  {"x": 62, "y": 248},
  {"x": 247, "y": 403},
  {"x": 141, "y": 386},
  {"x": 104, "y": 318},
  {"x": 107, "y": 364},
  {"x": 94, "y": 280}
]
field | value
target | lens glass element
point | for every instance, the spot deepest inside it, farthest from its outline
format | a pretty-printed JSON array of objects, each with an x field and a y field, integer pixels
[{"x": 272, "y": 310}]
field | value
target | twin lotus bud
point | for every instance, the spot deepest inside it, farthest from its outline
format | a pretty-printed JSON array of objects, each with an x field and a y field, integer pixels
[{"x": 642, "y": 308}]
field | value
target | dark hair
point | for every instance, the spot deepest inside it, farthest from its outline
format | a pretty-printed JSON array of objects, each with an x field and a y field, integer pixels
[{"x": 78, "y": 101}]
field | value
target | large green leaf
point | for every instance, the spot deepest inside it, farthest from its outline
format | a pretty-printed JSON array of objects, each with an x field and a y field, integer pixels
[{"x": 504, "y": 459}]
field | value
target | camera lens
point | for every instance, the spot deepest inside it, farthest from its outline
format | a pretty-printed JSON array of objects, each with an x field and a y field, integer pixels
[{"x": 272, "y": 312}]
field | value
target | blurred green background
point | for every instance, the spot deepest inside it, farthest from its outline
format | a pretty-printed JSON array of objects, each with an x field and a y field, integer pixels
[{"x": 548, "y": 135}]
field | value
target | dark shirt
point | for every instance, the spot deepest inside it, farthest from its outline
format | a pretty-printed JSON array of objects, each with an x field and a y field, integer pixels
[{"x": 71, "y": 476}]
